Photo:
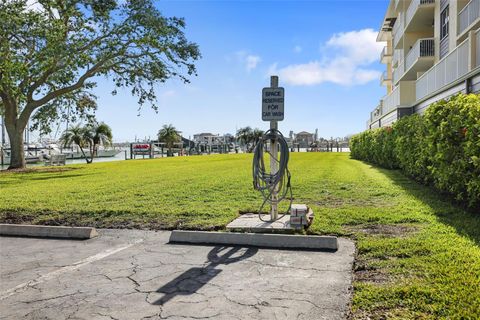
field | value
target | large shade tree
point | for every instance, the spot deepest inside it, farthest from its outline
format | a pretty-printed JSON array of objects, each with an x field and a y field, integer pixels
[{"x": 53, "y": 51}]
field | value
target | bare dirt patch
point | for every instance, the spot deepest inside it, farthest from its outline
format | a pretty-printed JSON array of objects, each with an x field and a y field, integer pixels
[
  {"x": 365, "y": 272},
  {"x": 76, "y": 220},
  {"x": 372, "y": 276},
  {"x": 39, "y": 170},
  {"x": 15, "y": 218}
]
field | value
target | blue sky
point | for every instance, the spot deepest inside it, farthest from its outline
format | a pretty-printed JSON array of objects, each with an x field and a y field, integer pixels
[{"x": 324, "y": 52}]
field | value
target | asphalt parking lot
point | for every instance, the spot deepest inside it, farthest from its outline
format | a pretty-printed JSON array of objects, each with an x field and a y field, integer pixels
[{"x": 132, "y": 274}]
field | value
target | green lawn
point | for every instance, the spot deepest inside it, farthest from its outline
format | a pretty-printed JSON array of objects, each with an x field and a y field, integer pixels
[{"x": 418, "y": 254}]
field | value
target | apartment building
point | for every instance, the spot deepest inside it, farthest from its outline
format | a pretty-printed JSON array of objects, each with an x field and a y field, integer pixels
[{"x": 432, "y": 51}]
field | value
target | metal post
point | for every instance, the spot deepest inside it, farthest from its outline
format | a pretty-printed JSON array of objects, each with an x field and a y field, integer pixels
[{"x": 273, "y": 160}]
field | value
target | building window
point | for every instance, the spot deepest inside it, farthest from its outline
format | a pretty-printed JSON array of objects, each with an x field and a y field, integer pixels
[{"x": 444, "y": 19}]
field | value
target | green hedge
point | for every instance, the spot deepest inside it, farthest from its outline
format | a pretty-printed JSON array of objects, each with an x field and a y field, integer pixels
[{"x": 440, "y": 147}]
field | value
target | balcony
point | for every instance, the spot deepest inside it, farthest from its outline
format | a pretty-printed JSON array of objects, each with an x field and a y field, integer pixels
[
  {"x": 391, "y": 101},
  {"x": 398, "y": 29},
  {"x": 397, "y": 56},
  {"x": 385, "y": 78},
  {"x": 377, "y": 113},
  {"x": 421, "y": 55},
  {"x": 420, "y": 58},
  {"x": 398, "y": 72},
  {"x": 386, "y": 55},
  {"x": 448, "y": 70},
  {"x": 402, "y": 96},
  {"x": 468, "y": 16},
  {"x": 420, "y": 15}
]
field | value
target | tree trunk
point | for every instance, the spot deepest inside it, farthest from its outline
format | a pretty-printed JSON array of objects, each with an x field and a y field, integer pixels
[
  {"x": 92, "y": 153},
  {"x": 17, "y": 155},
  {"x": 15, "y": 126},
  {"x": 84, "y": 155}
]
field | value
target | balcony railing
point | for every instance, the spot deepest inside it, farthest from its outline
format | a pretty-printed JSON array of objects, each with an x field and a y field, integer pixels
[
  {"x": 398, "y": 72},
  {"x": 413, "y": 7},
  {"x": 397, "y": 56},
  {"x": 398, "y": 29},
  {"x": 391, "y": 101},
  {"x": 449, "y": 69},
  {"x": 386, "y": 53},
  {"x": 421, "y": 48},
  {"x": 384, "y": 78},
  {"x": 377, "y": 113},
  {"x": 468, "y": 15}
]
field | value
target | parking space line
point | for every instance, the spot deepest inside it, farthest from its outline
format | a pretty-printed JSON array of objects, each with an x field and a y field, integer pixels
[{"x": 69, "y": 268}]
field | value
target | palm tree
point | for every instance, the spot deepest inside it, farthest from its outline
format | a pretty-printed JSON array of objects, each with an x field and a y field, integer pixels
[
  {"x": 257, "y": 134},
  {"x": 101, "y": 135},
  {"x": 244, "y": 136},
  {"x": 81, "y": 136},
  {"x": 169, "y": 135}
]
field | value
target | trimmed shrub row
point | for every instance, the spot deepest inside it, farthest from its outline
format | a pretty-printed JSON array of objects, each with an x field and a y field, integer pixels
[{"x": 439, "y": 148}]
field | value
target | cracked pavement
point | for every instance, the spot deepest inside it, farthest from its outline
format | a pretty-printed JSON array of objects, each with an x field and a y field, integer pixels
[{"x": 134, "y": 274}]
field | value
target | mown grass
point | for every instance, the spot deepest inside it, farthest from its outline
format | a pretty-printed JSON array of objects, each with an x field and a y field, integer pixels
[{"x": 418, "y": 254}]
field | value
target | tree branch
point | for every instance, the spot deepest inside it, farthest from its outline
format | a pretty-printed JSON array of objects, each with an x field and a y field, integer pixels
[
  {"x": 33, "y": 104},
  {"x": 43, "y": 78}
]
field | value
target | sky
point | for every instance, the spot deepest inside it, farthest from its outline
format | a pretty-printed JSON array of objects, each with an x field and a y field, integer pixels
[{"x": 324, "y": 53}]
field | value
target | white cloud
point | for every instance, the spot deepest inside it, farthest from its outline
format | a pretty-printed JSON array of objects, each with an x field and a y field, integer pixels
[
  {"x": 252, "y": 62},
  {"x": 346, "y": 60},
  {"x": 360, "y": 46},
  {"x": 249, "y": 60},
  {"x": 297, "y": 49}
]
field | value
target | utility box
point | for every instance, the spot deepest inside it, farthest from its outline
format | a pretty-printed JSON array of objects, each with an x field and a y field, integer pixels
[
  {"x": 298, "y": 210},
  {"x": 300, "y": 216}
]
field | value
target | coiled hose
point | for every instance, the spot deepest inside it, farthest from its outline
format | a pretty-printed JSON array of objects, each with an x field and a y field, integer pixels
[{"x": 264, "y": 180}]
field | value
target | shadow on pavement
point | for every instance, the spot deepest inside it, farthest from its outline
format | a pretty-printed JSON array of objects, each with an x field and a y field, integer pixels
[{"x": 195, "y": 278}]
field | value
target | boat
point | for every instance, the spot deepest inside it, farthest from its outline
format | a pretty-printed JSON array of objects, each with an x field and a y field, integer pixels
[
  {"x": 40, "y": 153},
  {"x": 75, "y": 153},
  {"x": 30, "y": 157}
]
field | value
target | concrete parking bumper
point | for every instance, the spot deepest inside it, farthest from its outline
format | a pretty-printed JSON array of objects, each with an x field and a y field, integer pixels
[
  {"x": 276, "y": 241},
  {"x": 23, "y": 230}
]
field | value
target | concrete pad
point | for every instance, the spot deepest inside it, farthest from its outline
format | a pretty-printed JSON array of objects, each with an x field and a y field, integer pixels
[
  {"x": 277, "y": 241},
  {"x": 250, "y": 222},
  {"x": 133, "y": 274},
  {"x": 25, "y": 230}
]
